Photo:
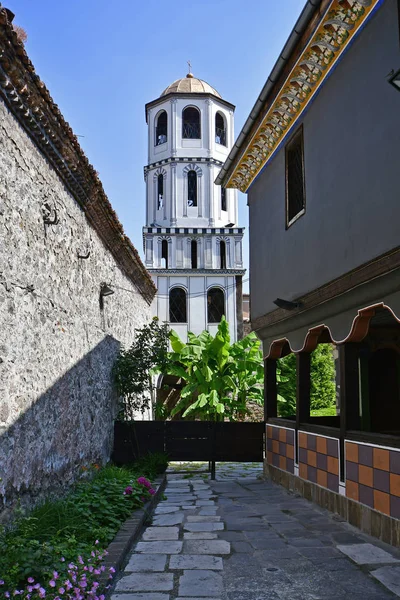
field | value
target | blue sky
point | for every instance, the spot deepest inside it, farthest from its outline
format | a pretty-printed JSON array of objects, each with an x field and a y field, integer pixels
[{"x": 102, "y": 61}]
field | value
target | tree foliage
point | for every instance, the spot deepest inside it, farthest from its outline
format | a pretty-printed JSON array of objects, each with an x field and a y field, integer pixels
[
  {"x": 133, "y": 368},
  {"x": 323, "y": 391},
  {"x": 218, "y": 377}
]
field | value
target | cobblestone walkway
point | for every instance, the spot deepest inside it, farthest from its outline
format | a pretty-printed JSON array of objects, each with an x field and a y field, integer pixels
[{"x": 242, "y": 538}]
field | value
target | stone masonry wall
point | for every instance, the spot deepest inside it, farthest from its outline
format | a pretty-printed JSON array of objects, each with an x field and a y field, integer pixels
[{"x": 57, "y": 346}]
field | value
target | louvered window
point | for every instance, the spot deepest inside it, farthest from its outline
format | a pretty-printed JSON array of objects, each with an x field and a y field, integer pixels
[
  {"x": 295, "y": 187},
  {"x": 177, "y": 306}
]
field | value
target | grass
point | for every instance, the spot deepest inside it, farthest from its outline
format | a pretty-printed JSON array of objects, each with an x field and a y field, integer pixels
[{"x": 324, "y": 412}]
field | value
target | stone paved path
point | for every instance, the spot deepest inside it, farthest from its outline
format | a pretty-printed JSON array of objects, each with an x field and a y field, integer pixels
[{"x": 242, "y": 538}]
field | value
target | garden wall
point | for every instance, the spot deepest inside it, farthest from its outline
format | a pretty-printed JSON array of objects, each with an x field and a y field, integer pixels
[{"x": 57, "y": 343}]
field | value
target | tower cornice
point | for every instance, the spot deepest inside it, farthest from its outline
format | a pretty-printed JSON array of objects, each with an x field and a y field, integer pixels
[
  {"x": 191, "y": 96},
  {"x": 190, "y": 159}
]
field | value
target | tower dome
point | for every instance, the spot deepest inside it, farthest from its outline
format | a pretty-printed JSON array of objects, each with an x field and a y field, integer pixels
[{"x": 190, "y": 85}]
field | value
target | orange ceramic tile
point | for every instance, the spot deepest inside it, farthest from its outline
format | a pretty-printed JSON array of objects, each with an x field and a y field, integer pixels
[
  {"x": 394, "y": 484},
  {"x": 303, "y": 471},
  {"x": 352, "y": 452},
  {"x": 352, "y": 490},
  {"x": 366, "y": 475},
  {"x": 275, "y": 446},
  {"x": 382, "y": 502},
  {"x": 312, "y": 458},
  {"x": 381, "y": 459},
  {"x": 269, "y": 458},
  {"x": 333, "y": 465},
  {"x": 269, "y": 431},
  {"x": 322, "y": 478},
  {"x": 282, "y": 435},
  {"x": 290, "y": 450},
  {"x": 282, "y": 463},
  {"x": 302, "y": 440},
  {"x": 322, "y": 445}
]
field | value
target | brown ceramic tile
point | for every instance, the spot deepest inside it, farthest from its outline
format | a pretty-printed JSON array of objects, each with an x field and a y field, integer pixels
[
  {"x": 269, "y": 458},
  {"x": 275, "y": 446},
  {"x": 365, "y": 475},
  {"x": 333, "y": 465},
  {"x": 382, "y": 502},
  {"x": 269, "y": 431},
  {"x": 394, "y": 484},
  {"x": 352, "y": 490},
  {"x": 322, "y": 446},
  {"x": 322, "y": 478},
  {"x": 311, "y": 442},
  {"x": 381, "y": 459},
  {"x": 365, "y": 455},
  {"x": 312, "y": 458},
  {"x": 352, "y": 452},
  {"x": 302, "y": 440},
  {"x": 381, "y": 481},
  {"x": 282, "y": 463},
  {"x": 282, "y": 435},
  {"x": 289, "y": 451},
  {"x": 366, "y": 495},
  {"x": 303, "y": 471}
]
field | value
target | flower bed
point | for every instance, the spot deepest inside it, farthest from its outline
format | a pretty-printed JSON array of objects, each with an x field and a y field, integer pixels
[{"x": 56, "y": 551}]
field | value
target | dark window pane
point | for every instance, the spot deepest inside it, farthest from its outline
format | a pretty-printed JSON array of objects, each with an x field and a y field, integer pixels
[
  {"x": 193, "y": 248},
  {"x": 177, "y": 306},
  {"x": 295, "y": 176},
  {"x": 191, "y": 123},
  {"x": 215, "y": 305},
  {"x": 192, "y": 188},
  {"x": 161, "y": 129},
  {"x": 160, "y": 192},
  {"x": 222, "y": 252},
  {"x": 164, "y": 252},
  {"x": 223, "y": 199},
  {"x": 220, "y": 131}
]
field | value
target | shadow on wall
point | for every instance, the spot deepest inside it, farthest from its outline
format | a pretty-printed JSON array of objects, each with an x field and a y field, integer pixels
[{"x": 68, "y": 427}]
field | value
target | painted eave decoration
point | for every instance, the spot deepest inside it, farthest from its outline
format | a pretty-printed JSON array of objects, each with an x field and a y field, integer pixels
[{"x": 342, "y": 21}]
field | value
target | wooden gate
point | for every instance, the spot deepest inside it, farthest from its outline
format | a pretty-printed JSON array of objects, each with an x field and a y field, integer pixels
[{"x": 189, "y": 441}]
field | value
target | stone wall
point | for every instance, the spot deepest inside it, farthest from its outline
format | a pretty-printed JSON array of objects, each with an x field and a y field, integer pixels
[{"x": 57, "y": 346}]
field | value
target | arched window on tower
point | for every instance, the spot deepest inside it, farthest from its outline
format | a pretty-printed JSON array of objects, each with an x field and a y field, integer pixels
[
  {"x": 223, "y": 199},
  {"x": 164, "y": 253},
  {"x": 161, "y": 128},
  {"x": 191, "y": 124},
  {"x": 193, "y": 251},
  {"x": 220, "y": 129},
  {"x": 177, "y": 305},
  {"x": 222, "y": 255},
  {"x": 215, "y": 305},
  {"x": 192, "y": 188},
  {"x": 160, "y": 192}
]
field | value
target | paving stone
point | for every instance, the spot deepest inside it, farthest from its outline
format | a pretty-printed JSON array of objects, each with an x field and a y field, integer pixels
[
  {"x": 140, "y": 596},
  {"x": 206, "y": 547},
  {"x": 172, "y": 519},
  {"x": 196, "y": 561},
  {"x": 203, "y": 526},
  {"x": 159, "y": 547},
  {"x": 201, "y": 535},
  {"x": 208, "y": 511},
  {"x": 367, "y": 554},
  {"x": 202, "y": 583},
  {"x": 161, "y": 509},
  {"x": 160, "y": 533},
  {"x": 146, "y": 562},
  {"x": 390, "y": 577},
  {"x": 202, "y": 519},
  {"x": 205, "y": 503},
  {"x": 149, "y": 582}
]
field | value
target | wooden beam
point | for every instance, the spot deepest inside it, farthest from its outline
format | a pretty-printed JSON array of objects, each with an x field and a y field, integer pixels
[
  {"x": 303, "y": 387},
  {"x": 349, "y": 397},
  {"x": 270, "y": 389}
]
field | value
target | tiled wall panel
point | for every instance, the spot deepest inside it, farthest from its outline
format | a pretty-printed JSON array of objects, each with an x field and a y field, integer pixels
[
  {"x": 319, "y": 460},
  {"x": 280, "y": 447},
  {"x": 373, "y": 477}
]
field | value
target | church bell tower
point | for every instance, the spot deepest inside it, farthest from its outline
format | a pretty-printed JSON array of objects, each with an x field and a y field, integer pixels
[{"x": 192, "y": 241}]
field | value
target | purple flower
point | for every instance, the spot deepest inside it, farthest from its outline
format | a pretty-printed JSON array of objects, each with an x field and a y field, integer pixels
[
  {"x": 61, "y": 590},
  {"x": 62, "y": 559},
  {"x": 142, "y": 480},
  {"x": 112, "y": 570},
  {"x": 42, "y": 593},
  {"x": 55, "y": 575},
  {"x": 31, "y": 580},
  {"x": 7, "y": 594},
  {"x": 1, "y": 582},
  {"x": 30, "y": 589},
  {"x": 152, "y": 492},
  {"x": 128, "y": 490}
]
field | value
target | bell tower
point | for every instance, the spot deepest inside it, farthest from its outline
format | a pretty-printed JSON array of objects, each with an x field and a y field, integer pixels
[{"x": 193, "y": 244}]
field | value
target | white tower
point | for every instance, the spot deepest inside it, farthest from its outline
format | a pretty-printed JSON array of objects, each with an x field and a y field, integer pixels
[{"x": 193, "y": 245}]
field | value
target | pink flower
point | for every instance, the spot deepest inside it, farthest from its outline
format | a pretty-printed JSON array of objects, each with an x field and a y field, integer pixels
[
  {"x": 128, "y": 490},
  {"x": 152, "y": 492}
]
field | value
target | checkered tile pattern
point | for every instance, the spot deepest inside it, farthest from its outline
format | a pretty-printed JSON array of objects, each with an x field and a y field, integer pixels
[
  {"x": 373, "y": 477},
  {"x": 319, "y": 460},
  {"x": 280, "y": 447}
]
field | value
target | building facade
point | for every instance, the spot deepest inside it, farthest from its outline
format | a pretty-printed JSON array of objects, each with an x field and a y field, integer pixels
[
  {"x": 319, "y": 161},
  {"x": 192, "y": 242}
]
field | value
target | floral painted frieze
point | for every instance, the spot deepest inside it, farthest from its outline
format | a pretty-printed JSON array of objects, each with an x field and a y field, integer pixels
[{"x": 341, "y": 22}]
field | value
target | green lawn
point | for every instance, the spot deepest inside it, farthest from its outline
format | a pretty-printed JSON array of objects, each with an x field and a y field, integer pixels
[{"x": 324, "y": 412}]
